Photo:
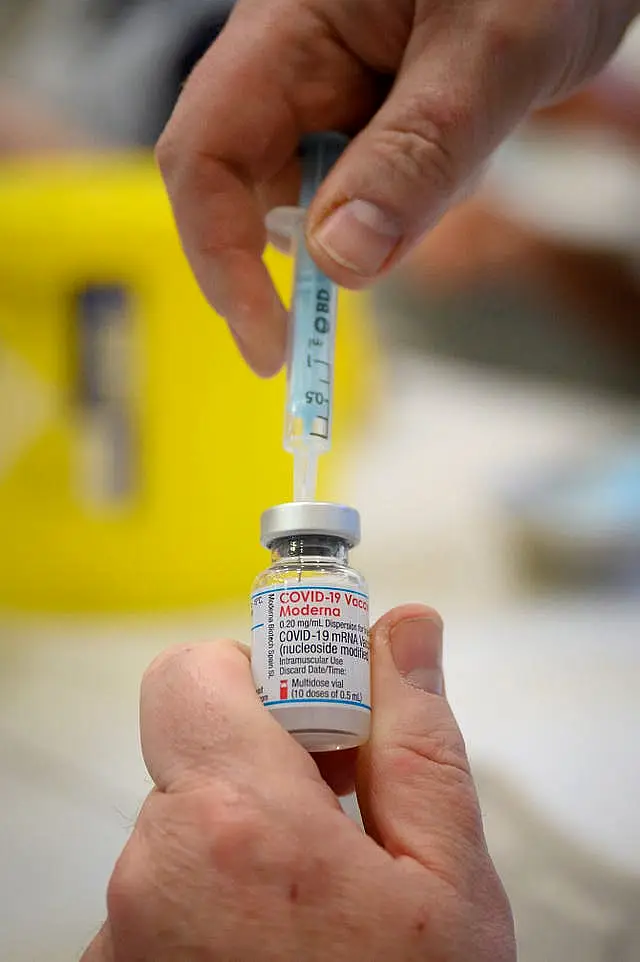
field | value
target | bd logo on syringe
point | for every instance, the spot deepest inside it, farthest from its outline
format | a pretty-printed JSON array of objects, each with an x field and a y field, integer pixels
[
  {"x": 323, "y": 307},
  {"x": 321, "y": 398}
]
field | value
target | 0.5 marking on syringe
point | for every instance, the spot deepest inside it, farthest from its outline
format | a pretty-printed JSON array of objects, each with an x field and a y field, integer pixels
[
  {"x": 321, "y": 430},
  {"x": 319, "y": 347}
]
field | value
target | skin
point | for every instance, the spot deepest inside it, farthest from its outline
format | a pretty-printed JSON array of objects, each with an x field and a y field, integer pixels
[
  {"x": 428, "y": 87},
  {"x": 242, "y": 852}
]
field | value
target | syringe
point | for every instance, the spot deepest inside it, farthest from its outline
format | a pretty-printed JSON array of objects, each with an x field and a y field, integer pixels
[{"x": 312, "y": 331}]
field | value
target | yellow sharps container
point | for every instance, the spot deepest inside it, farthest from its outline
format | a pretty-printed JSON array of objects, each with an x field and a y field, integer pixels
[{"x": 137, "y": 451}]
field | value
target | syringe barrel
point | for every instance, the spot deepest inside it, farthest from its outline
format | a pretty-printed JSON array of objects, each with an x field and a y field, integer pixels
[
  {"x": 313, "y": 323},
  {"x": 318, "y": 154}
]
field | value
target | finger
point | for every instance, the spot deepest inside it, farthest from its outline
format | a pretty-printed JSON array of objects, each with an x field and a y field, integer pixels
[
  {"x": 461, "y": 89},
  {"x": 222, "y": 143},
  {"x": 278, "y": 201},
  {"x": 283, "y": 190},
  {"x": 415, "y": 790},
  {"x": 283, "y": 227},
  {"x": 211, "y": 161},
  {"x": 200, "y": 717}
]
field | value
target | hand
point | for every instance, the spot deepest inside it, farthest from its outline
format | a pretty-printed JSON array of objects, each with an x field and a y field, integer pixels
[
  {"x": 242, "y": 853},
  {"x": 463, "y": 75}
]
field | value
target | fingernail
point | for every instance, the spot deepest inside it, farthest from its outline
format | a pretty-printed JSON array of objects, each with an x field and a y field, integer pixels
[
  {"x": 280, "y": 242},
  {"x": 416, "y": 646},
  {"x": 359, "y": 236},
  {"x": 264, "y": 360},
  {"x": 283, "y": 225}
]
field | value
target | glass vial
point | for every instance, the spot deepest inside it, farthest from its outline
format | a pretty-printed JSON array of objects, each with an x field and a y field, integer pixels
[{"x": 310, "y": 626}]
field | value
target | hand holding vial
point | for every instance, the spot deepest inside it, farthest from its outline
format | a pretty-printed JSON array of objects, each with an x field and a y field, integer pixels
[{"x": 242, "y": 853}]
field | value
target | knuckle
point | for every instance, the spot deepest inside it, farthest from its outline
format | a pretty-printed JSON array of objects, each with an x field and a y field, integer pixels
[
  {"x": 418, "y": 152},
  {"x": 180, "y": 155},
  {"x": 128, "y": 888},
  {"x": 243, "y": 831},
  {"x": 227, "y": 809},
  {"x": 243, "y": 839},
  {"x": 441, "y": 760},
  {"x": 541, "y": 32},
  {"x": 191, "y": 659},
  {"x": 217, "y": 829},
  {"x": 227, "y": 654},
  {"x": 413, "y": 759},
  {"x": 230, "y": 822},
  {"x": 442, "y": 746},
  {"x": 166, "y": 664}
]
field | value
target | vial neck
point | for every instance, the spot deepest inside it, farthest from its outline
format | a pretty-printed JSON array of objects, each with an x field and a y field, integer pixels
[{"x": 307, "y": 546}]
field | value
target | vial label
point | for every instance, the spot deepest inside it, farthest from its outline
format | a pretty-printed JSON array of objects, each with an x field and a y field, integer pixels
[{"x": 311, "y": 644}]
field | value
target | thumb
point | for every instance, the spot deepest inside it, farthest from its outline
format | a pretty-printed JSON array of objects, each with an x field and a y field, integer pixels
[{"x": 414, "y": 786}]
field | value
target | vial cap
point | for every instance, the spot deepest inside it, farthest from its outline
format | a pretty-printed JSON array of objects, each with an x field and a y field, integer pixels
[{"x": 310, "y": 517}]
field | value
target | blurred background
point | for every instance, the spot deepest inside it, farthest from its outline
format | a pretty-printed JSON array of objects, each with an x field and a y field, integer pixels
[{"x": 487, "y": 427}]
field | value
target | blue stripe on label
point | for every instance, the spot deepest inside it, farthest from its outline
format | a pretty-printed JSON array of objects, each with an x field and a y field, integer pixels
[
  {"x": 317, "y": 701},
  {"x": 306, "y": 587},
  {"x": 255, "y": 627}
]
